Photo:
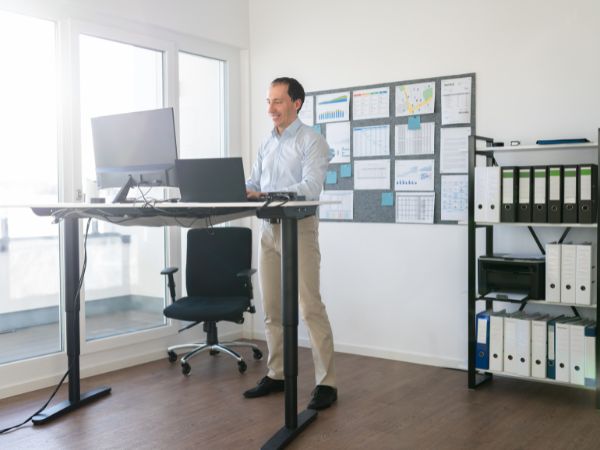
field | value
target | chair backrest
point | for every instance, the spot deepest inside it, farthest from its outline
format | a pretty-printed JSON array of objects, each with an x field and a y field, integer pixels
[{"x": 214, "y": 258}]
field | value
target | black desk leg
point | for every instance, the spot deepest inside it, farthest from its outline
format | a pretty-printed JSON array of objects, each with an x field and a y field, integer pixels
[
  {"x": 294, "y": 423},
  {"x": 76, "y": 398}
]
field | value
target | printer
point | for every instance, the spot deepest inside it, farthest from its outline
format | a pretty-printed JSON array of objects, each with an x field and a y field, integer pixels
[{"x": 506, "y": 273}]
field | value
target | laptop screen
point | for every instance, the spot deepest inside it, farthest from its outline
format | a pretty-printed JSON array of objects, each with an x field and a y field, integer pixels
[{"x": 211, "y": 180}]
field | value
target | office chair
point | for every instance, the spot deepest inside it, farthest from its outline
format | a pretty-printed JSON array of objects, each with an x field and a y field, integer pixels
[{"x": 219, "y": 288}]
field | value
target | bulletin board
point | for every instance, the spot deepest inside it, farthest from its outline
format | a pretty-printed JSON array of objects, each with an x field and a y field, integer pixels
[{"x": 398, "y": 151}]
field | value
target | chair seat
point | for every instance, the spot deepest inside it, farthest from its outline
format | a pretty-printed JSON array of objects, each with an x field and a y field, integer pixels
[{"x": 207, "y": 309}]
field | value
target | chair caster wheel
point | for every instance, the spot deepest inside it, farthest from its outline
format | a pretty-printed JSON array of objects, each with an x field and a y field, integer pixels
[
  {"x": 213, "y": 352},
  {"x": 242, "y": 366},
  {"x": 172, "y": 356},
  {"x": 185, "y": 369},
  {"x": 257, "y": 354}
]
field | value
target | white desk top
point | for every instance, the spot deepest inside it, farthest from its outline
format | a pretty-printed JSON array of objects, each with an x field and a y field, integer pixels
[{"x": 188, "y": 215}]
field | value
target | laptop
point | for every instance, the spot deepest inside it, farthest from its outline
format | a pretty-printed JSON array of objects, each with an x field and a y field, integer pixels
[{"x": 211, "y": 180}]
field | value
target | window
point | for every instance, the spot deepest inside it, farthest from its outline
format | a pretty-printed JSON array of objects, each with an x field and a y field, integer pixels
[
  {"x": 124, "y": 290},
  {"x": 201, "y": 104},
  {"x": 29, "y": 246}
]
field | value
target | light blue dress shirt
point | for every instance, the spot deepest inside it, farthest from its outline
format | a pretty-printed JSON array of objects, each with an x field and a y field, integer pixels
[{"x": 294, "y": 161}]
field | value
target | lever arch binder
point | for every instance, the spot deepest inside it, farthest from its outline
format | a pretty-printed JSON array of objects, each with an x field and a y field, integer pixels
[
  {"x": 510, "y": 194},
  {"x": 570, "y": 193},
  {"x": 555, "y": 194},
  {"x": 540, "y": 187},
  {"x": 524, "y": 210},
  {"x": 588, "y": 193}
]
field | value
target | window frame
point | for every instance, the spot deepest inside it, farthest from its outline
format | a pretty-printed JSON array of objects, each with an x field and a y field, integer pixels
[{"x": 140, "y": 346}]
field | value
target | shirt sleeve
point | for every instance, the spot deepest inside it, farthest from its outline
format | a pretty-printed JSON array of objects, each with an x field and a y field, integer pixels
[
  {"x": 314, "y": 166},
  {"x": 253, "y": 183}
]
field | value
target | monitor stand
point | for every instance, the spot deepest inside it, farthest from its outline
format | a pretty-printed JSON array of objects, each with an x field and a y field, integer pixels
[{"x": 121, "y": 196}]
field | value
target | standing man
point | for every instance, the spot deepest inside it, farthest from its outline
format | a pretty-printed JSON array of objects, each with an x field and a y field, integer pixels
[{"x": 293, "y": 157}]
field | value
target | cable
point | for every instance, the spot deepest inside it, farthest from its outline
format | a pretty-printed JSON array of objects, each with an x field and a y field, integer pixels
[
  {"x": 42, "y": 408},
  {"x": 77, "y": 298}
]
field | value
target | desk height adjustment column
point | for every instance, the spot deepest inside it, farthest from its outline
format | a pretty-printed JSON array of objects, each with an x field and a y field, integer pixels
[
  {"x": 294, "y": 423},
  {"x": 72, "y": 301}
]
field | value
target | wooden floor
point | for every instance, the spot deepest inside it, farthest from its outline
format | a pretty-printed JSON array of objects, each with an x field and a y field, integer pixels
[{"x": 382, "y": 405}]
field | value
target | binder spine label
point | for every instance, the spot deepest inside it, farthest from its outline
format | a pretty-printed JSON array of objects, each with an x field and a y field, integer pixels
[
  {"x": 555, "y": 180},
  {"x": 524, "y": 186},
  {"x": 586, "y": 183},
  {"x": 570, "y": 185},
  {"x": 539, "y": 187}
]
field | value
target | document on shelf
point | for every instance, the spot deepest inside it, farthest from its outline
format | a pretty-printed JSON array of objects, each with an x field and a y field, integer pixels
[
  {"x": 507, "y": 295},
  {"x": 454, "y": 150}
]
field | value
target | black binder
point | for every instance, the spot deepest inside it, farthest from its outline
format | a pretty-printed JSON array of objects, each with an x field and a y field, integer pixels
[
  {"x": 570, "y": 194},
  {"x": 540, "y": 196},
  {"x": 510, "y": 194},
  {"x": 587, "y": 200},
  {"x": 555, "y": 194},
  {"x": 524, "y": 210}
]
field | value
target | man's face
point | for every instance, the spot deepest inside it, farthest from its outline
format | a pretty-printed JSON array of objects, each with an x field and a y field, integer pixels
[{"x": 280, "y": 107}]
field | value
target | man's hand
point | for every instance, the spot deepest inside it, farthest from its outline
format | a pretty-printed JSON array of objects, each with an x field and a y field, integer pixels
[{"x": 254, "y": 195}]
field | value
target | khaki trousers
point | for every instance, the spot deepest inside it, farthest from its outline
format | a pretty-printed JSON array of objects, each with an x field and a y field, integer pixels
[{"x": 311, "y": 308}]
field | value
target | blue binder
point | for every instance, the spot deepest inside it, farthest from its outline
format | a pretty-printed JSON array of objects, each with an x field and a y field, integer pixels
[
  {"x": 482, "y": 357},
  {"x": 550, "y": 360}
]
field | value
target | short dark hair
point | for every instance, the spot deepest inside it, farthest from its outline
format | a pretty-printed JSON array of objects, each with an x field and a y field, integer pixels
[{"x": 295, "y": 89}]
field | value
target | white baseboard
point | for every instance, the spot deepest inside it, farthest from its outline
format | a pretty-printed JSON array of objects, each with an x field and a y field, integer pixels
[
  {"x": 98, "y": 363},
  {"x": 385, "y": 353}
]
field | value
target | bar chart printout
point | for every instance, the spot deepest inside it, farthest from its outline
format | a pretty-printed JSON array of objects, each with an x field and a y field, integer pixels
[{"x": 333, "y": 107}]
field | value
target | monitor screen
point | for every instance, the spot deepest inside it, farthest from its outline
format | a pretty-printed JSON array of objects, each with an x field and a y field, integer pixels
[{"x": 135, "y": 148}]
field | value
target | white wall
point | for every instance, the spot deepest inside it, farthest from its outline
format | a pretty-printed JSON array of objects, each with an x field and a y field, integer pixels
[{"x": 399, "y": 291}]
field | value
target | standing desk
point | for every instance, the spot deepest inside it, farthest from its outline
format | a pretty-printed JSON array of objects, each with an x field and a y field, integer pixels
[{"x": 189, "y": 215}]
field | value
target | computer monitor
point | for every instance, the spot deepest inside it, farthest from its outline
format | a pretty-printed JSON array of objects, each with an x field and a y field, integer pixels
[{"x": 135, "y": 149}]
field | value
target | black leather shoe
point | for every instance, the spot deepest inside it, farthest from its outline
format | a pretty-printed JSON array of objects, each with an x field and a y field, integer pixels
[
  {"x": 265, "y": 387},
  {"x": 323, "y": 397}
]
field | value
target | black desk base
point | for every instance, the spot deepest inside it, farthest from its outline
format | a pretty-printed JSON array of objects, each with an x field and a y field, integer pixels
[
  {"x": 67, "y": 406},
  {"x": 286, "y": 435}
]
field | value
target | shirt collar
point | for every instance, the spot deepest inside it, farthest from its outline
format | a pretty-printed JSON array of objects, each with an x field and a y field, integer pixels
[{"x": 291, "y": 130}]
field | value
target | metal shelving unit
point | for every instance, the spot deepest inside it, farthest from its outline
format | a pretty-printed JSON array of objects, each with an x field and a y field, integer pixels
[{"x": 476, "y": 376}]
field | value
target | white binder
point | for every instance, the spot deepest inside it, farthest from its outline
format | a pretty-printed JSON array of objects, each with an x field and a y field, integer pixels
[
  {"x": 585, "y": 278},
  {"x": 568, "y": 263},
  {"x": 562, "y": 351},
  {"x": 510, "y": 344},
  {"x": 497, "y": 340},
  {"x": 523, "y": 362},
  {"x": 553, "y": 258},
  {"x": 487, "y": 194},
  {"x": 577, "y": 352}
]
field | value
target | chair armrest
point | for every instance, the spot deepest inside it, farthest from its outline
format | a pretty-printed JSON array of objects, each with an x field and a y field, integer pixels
[
  {"x": 246, "y": 273},
  {"x": 168, "y": 270}
]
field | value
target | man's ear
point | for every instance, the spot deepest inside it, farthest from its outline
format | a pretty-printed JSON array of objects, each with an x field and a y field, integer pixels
[{"x": 297, "y": 104}]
